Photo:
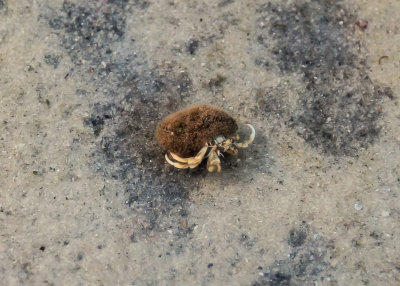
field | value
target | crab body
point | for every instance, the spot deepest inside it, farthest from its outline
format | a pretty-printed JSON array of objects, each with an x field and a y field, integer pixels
[{"x": 199, "y": 132}]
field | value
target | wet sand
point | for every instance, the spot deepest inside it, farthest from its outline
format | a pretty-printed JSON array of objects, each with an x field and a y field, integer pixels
[{"x": 86, "y": 197}]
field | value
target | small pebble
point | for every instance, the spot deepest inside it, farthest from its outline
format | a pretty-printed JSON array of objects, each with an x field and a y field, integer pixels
[
  {"x": 362, "y": 24},
  {"x": 358, "y": 206}
]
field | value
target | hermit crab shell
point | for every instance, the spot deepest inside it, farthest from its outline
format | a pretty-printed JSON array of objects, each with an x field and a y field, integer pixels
[{"x": 187, "y": 131}]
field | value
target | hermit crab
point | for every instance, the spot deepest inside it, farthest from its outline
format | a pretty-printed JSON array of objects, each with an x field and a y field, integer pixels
[{"x": 199, "y": 132}]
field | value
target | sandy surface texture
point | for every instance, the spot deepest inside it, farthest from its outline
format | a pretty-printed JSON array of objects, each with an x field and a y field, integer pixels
[{"x": 86, "y": 197}]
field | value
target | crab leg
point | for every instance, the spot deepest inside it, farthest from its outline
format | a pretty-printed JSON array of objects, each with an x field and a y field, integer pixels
[
  {"x": 246, "y": 143},
  {"x": 213, "y": 162},
  {"x": 192, "y": 160},
  {"x": 179, "y": 159},
  {"x": 176, "y": 164},
  {"x": 184, "y": 163},
  {"x": 199, "y": 155}
]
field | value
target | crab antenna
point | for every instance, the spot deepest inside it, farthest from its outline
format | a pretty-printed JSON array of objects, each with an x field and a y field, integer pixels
[{"x": 246, "y": 143}]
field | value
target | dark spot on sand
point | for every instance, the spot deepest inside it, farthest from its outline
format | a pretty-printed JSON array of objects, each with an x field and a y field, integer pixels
[
  {"x": 96, "y": 122},
  {"x": 87, "y": 30},
  {"x": 297, "y": 237},
  {"x": 132, "y": 156},
  {"x": 52, "y": 60},
  {"x": 193, "y": 46},
  {"x": 224, "y": 3},
  {"x": 141, "y": 4},
  {"x": 217, "y": 81},
  {"x": 276, "y": 279},
  {"x": 79, "y": 257},
  {"x": 338, "y": 106},
  {"x": 307, "y": 263},
  {"x": 136, "y": 96}
]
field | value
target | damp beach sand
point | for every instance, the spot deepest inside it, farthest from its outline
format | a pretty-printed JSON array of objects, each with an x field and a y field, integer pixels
[{"x": 86, "y": 196}]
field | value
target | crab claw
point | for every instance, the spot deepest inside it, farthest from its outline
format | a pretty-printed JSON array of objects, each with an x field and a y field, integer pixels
[{"x": 246, "y": 143}]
